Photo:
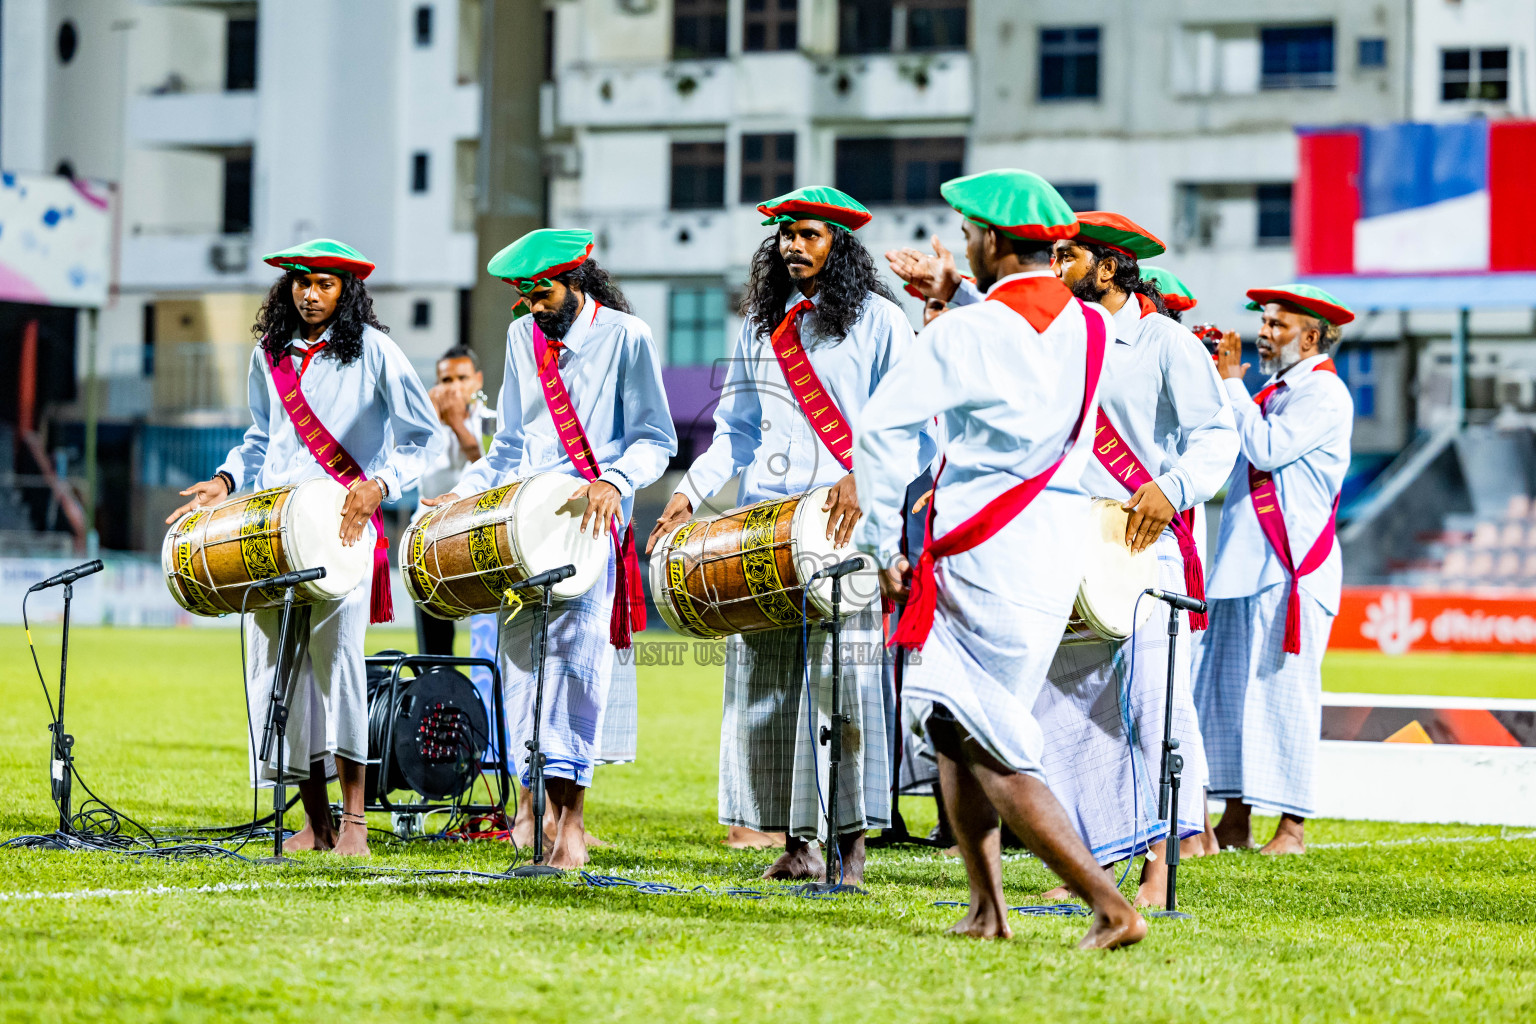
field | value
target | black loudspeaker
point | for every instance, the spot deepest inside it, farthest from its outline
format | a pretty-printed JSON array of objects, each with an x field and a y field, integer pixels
[{"x": 428, "y": 733}]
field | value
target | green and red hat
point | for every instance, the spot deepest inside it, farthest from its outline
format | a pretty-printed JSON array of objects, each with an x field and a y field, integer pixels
[
  {"x": 1122, "y": 234},
  {"x": 1304, "y": 296},
  {"x": 816, "y": 202},
  {"x": 1176, "y": 294},
  {"x": 321, "y": 256},
  {"x": 1017, "y": 203},
  {"x": 534, "y": 260}
]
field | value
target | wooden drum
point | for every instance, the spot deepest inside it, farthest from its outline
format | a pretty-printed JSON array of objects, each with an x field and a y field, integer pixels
[
  {"x": 461, "y": 559},
  {"x": 209, "y": 552},
  {"x": 1113, "y": 578},
  {"x": 745, "y": 571}
]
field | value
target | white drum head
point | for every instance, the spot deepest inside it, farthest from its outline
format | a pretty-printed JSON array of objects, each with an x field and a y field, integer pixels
[
  {"x": 1112, "y": 576},
  {"x": 546, "y": 534},
  {"x": 312, "y": 524},
  {"x": 813, "y": 552}
]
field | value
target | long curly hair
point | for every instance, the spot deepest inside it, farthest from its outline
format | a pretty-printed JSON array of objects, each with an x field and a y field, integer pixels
[
  {"x": 591, "y": 279},
  {"x": 1127, "y": 274},
  {"x": 279, "y": 320},
  {"x": 844, "y": 283}
]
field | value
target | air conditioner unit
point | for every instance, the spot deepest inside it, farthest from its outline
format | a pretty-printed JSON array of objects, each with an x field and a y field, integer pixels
[{"x": 229, "y": 255}]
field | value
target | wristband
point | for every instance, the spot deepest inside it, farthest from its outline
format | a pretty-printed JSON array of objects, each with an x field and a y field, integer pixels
[{"x": 229, "y": 481}]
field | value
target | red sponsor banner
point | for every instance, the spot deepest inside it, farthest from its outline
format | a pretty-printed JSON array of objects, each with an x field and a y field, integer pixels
[{"x": 1397, "y": 620}]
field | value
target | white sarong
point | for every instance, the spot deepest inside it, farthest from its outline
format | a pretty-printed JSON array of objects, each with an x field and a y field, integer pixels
[
  {"x": 327, "y": 689},
  {"x": 621, "y": 712},
  {"x": 577, "y": 673},
  {"x": 1260, "y": 708},
  {"x": 773, "y": 769},
  {"x": 1098, "y": 695}
]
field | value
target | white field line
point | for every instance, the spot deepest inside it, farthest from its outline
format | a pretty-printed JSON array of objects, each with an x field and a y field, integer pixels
[{"x": 1426, "y": 839}]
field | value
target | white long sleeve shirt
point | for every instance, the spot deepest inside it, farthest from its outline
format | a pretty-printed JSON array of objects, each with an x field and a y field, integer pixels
[
  {"x": 613, "y": 375},
  {"x": 375, "y": 406},
  {"x": 1304, "y": 443},
  {"x": 1007, "y": 398},
  {"x": 760, "y": 430}
]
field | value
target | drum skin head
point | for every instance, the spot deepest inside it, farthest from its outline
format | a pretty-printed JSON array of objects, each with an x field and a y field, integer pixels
[
  {"x": 548, "y": 534},
  {"x": 315, "y": 533},
  {"x": 1112, "y": 576},
  {"x": 813, "y": 552}
]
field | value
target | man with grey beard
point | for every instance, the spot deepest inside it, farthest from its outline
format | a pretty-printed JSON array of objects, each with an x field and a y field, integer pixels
[{"x": 1275, "y": 587}]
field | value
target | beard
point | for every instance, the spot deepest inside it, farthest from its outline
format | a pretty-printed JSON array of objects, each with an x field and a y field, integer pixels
[
  {"x": 554, "y": 325},
  {"x": 1285, "y": 358},
  {"x": 1085, "y": 288}
]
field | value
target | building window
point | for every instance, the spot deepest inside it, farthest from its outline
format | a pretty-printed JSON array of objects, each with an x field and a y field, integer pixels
[
  {"x": 237, "y": 195},
  {"x": 935, "y": 24},
  {"x": 767, "y": 166},
  {"x": 1354, "y": 366},
  {"x": 1371, "y": 53},
  {"x": 1079, "y": 195},
  {"x": 770, "y": 25},
  {"x": 1274, "y": 214},
  {"x": 1296, "y": 57},
  {"x": 240, "y": 54},
  {"x": 695, "y": 325},
  {"x": 68, "y": 41},
  {"x": 698, "y": 28},
  {"x": 147, "y": 365},
  {"x": 421, "y": 313},
  {"x": 864, "y": 26},
  {"x": 424, "y": 25},
  {"x": 898, "y": 170},
  {"x": 698, "y": 175},
  {"x": 419, "y": 165},
  {"x": 1474, "y": 75},
  {"x": 1069, "y": 63}
]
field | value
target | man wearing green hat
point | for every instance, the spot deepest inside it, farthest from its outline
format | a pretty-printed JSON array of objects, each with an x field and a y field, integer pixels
[
  {"x": 1275, "y": 588},
  {"x": 1013, "y": 382},
  {"x": 580, "y": 350},
  {"x": 821, "y": 331},
  {"x": 322, "y": 359}
]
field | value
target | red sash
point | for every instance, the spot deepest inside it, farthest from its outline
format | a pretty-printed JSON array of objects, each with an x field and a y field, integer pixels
[
  {"x": 1116, "y": 457},
  {"x": 917, "y": 617},
  {"x": 340, "y": 466},
  {"x": 1266, "y": 505},
  {"x": 628, "y": 596},
  {"x": 830, "y": 423}
]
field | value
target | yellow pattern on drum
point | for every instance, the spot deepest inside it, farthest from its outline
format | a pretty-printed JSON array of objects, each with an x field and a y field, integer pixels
[
  {"x": 484, "y": 552},
  {"x": 418, "y": 548},
  {"x": 677, "y": 579},
  {"x": 191, "y": 589},
  {"x": 256, "y": 549},
  {"x": 761, "y": 568}
]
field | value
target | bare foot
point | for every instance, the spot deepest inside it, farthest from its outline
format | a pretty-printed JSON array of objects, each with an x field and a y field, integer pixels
[
  {"x": 952, "y": 851},
  {"x": 1060, "y": 894},
  {"x": 799, "y": 860},
  {"x": 983, "y": 921},
  {"x": 1289, "y": 837},
  {"x": 1120, "y": 926},
  {"x": 851, "y": 870},
  {"x": 1234, "y": 831},
  {"x": 1153, "y": 890},
  {"x": 305, "y": 839},
  {"x": 596, "y": 843},
  {"x": 352, "y": 841},
  {"x": 742, "y": 838},
  {"x": 1195, "y": 846},
  {"x": 570, "y": 850}
]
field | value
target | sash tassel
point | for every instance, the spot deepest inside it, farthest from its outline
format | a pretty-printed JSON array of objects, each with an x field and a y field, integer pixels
[{"x": 381, "y": 602}]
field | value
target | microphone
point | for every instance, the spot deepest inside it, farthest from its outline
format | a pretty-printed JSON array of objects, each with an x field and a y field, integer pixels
[
  {"x": 546, "y": 579},
  {"x": 67, "y": 576},
  {"x": 841, "y": 569},
  {"x": 1183, "y": 601},
  {"x": 291, "y": 579}
]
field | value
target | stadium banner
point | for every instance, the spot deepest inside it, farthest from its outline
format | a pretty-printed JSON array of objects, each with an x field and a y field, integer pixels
[
  {"x": 1408, "y": 198},
  {"x": 55, "y": 240},
  {"x": 1399, "y": 620}
]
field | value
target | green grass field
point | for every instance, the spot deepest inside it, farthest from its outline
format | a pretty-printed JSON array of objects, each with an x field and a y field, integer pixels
[{"x": 1377, "y": 922}]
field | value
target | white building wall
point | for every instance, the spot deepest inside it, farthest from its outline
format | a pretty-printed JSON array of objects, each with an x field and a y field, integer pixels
[{"x": 1447, "y": 24}]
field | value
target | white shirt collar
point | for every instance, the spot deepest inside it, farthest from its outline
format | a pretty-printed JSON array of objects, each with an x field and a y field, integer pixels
[
  {"x": 795, "y": 298},
  {"x": 1292, "y": 375},
  {"x": 582, "y": 324},
  {"x": 1019, "y": 277}
]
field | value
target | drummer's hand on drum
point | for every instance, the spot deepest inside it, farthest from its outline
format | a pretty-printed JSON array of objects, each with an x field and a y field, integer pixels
[
  {"x": 893, "y": 581},
  {"x": 1229, "y": 357},
  {"x": 362, "y": 498},
  {"x": 1151, "y": 512},
  {"x": 441, "y": 499},
  {"x": 678, "y": 511},
  {"x": 604, "y": 502},
  {"x": 843, "y": 503},
  {"x": 209, "y": 492}
]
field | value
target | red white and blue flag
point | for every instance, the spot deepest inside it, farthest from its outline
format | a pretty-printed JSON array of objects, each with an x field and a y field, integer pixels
[{"x": 1416, "y": 198}]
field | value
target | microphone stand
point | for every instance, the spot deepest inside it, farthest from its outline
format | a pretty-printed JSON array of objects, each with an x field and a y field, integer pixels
[
  {"x": 63, "y": 767},
  {"x": 832, "y": 738},
  {"x": 276, "y": 729},
  {"x": 1168, "y": 780},
  {"x": 538, "y": 869}
]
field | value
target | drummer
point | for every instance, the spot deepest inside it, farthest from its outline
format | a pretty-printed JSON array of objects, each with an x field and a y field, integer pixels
[
  {"x": 593, "y": 349},
  {"x": 319, "y": 318},
  {"x": 813, "y": 281}
]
